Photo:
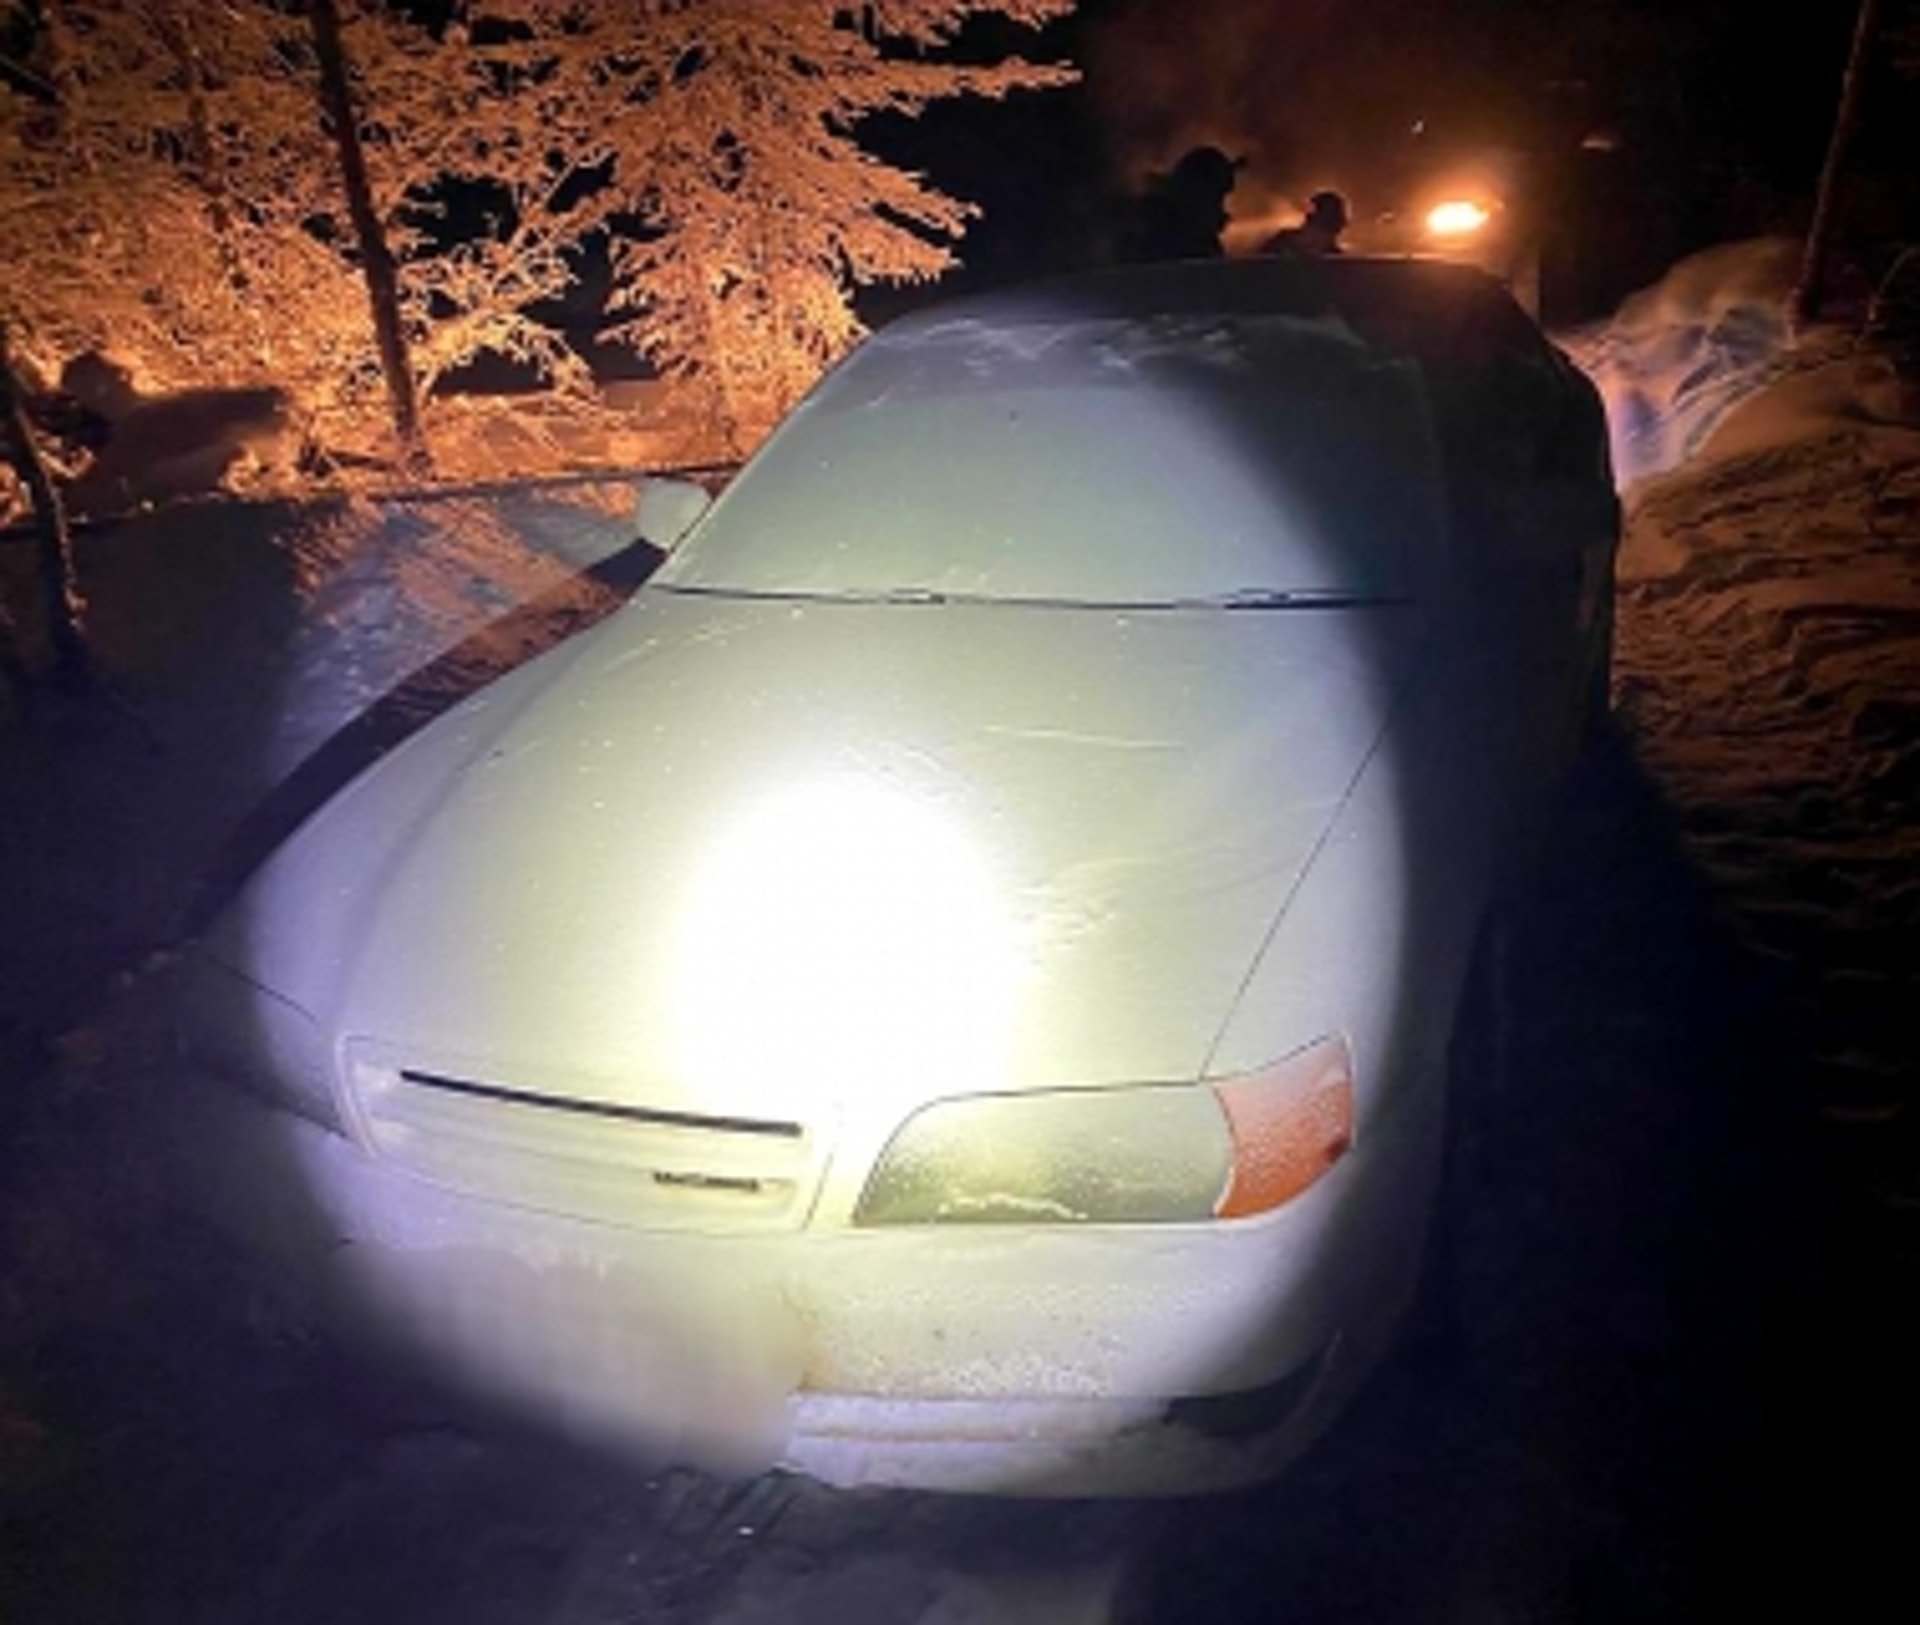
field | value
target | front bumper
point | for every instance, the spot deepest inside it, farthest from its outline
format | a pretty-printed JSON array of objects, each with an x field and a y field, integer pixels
[{"x": 1029, "y": 1361}]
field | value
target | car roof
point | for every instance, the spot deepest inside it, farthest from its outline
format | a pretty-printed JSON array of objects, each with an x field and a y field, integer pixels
[{"x": 1451, "y": 317}]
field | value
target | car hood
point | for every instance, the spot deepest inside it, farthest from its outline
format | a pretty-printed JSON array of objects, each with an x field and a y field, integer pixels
[{"x": 720, "y": 850}]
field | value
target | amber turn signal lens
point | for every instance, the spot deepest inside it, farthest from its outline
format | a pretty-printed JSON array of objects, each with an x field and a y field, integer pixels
[{"x": 1290, "y": 1122}]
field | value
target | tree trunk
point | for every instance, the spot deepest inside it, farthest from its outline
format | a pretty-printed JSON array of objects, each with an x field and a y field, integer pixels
[
  {"x": 203, "y": 159},
  {"x": 1806, "y": 297},
  {"x": 59, "y": 584},
  {"x": 726, "y": 406},
  {"x": 376, "y": 261}
]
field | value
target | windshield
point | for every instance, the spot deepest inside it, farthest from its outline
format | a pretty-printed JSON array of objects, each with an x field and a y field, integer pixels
[{"x": 1133, "y": 461}]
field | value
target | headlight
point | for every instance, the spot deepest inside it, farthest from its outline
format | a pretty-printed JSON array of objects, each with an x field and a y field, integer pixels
[
  {"x": 249, "y": 1034},
  {"x": 1163, "y": 1154}
]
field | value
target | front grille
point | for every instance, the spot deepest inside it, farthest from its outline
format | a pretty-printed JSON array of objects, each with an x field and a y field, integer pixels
[{"x": 544, "y": 1148}]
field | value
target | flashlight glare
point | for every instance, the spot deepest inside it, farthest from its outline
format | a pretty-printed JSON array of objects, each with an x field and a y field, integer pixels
[{"x": 846, "y": 936}]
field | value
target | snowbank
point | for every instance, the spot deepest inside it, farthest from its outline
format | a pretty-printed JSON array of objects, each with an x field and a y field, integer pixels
[
  {"x": 1768, "y": 660},
  {"x": 1708, "y": 363}
]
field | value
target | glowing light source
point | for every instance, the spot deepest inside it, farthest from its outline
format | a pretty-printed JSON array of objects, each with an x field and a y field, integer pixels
[
  {"x": 1457, "y": 217},
  {"x": 845, "y": 935}
]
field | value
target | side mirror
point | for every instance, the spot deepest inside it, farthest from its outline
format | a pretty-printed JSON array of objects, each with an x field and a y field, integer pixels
[{"x": 667, "y": 509}]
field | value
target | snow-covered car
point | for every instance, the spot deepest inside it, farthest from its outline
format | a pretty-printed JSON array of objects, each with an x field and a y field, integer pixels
[{"x": 951, "y": 985}]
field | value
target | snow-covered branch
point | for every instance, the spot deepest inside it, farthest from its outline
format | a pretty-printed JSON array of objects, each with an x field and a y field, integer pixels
[{"x": 171, "y": 194}]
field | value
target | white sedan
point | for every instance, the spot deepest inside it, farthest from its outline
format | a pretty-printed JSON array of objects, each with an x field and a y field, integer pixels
[{"x": 950, "y": 986}]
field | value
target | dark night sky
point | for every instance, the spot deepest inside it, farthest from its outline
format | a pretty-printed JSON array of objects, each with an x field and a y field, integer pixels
[
  {"x": 1297, "y": 74},
  {"x": 1716, "y": 112}
]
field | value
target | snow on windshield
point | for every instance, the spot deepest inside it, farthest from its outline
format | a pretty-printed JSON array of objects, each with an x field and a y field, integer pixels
[{"x": 1106, "y": 461}]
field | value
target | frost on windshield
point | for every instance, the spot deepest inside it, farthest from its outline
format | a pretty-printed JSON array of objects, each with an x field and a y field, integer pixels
[{"x": 1107, "y": 461}]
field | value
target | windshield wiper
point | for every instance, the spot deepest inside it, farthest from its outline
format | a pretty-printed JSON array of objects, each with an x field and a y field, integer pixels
[
  {"x": 822, "y": 595},
  {"x": 1295, "y": 598},
  {"x": 1240, "y": 598}
]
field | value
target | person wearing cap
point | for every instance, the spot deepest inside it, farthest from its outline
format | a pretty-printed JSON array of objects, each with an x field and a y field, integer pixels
[
  {"x": 1183, "y": 211},
  {"x": 1316, "y": 235}
]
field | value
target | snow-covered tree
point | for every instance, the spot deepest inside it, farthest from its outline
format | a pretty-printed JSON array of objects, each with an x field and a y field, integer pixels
[
  {"x": 712, "y": 145},
  {"x": 487, "y": 134},
  {"x": 735, "y": 137},
  {"x": 175, "y": 196},
  {"x": 169, "y": 202}
]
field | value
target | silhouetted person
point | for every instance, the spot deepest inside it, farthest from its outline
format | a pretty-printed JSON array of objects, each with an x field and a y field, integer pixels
[
  {"x": 1183, "y": 212},
  {"x": 1318, "y": 234}
]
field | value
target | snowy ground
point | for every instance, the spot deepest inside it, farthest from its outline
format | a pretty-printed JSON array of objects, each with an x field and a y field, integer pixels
[
  {"x": 1677, "y": 1270},
  {"x": 1769, "y": 654}
]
